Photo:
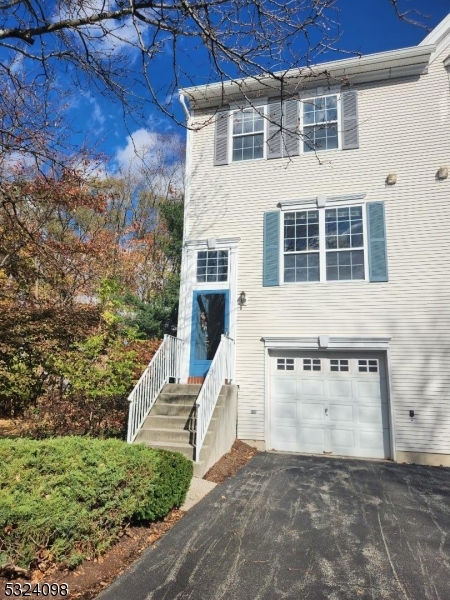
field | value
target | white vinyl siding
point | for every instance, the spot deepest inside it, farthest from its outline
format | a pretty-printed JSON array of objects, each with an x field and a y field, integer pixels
[{"x": 413, "y": 307}]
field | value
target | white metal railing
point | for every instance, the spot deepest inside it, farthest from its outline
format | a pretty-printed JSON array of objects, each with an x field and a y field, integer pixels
[
  {"x": 164, "y": 365},
  {"x": 221, "y": 369}
]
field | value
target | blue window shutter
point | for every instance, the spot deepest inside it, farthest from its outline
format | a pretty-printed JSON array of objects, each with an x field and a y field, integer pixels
[
  {"x": 221, "y": 139},
  {"x": 271, "y": 257},
  {"x": 378, "y": 266}
]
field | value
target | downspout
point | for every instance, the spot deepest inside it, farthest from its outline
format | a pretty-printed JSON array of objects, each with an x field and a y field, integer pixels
[
  {"x": 183, "y": 316},
  {"x": 185, "y": 108}
]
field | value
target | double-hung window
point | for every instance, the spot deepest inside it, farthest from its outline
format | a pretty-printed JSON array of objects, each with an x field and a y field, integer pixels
[
  {"x": 320, "y": 123},
  {"x": 301, "y": 246},
  {"x": 324, "y": 244},
  {"x": 248, "y": 134},
  {"x": 288, "y": 127},
  {"x": 344, "y": 243}
]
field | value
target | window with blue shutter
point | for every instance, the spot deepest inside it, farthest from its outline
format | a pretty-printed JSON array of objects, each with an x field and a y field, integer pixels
[
  {"x": 378, "y": 266},
  {"x": 271, "y": 253}
]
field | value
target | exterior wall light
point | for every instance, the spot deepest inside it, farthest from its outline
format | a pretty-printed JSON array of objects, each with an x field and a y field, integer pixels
[
  {"x": 391, "y": 179},
  {"x": 442, "y": 173},
  {"x": 241, "y": 300}
]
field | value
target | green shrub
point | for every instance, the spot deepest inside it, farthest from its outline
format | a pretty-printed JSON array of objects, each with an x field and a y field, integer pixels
[{"x": 65, "y": 499}]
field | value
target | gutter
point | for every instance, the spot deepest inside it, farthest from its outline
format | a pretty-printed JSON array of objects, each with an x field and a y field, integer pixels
[{"x": 416, "y": 57}]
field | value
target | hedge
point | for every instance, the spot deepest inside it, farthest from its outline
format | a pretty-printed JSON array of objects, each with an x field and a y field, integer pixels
[{"x": 66, "y": 499}]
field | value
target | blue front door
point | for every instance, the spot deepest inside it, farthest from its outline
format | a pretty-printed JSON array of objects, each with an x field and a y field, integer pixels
[{"x": 209, "y": 321}]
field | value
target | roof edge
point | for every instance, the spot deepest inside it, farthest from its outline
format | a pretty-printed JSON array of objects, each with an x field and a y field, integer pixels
[
  {"x": 438, "y": 33},
  {"x": 415, "y": 55}
]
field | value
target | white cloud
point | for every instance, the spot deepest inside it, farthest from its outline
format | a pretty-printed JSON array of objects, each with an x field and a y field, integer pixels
[
  {"x": 97, "y": 115},
  {"x": 152, "y": 158},
  {"x": 122, "y": 34},
  {"x": 138, "y": 148}
]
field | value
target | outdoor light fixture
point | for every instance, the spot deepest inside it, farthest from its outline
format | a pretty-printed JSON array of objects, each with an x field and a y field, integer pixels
[
  {"x": 391, "y": 179},
  {"x": 241, "y": 300},
  {"x": 442, "y": 173}
]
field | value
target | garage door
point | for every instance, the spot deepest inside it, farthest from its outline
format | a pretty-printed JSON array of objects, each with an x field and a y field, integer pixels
[{"x": 329, "y": 403}]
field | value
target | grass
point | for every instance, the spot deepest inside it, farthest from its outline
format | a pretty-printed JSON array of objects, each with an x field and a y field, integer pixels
[{"x": 66, "y": 499}]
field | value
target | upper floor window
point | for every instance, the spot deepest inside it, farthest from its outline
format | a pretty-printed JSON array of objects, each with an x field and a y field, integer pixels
[
  {"x": 212, "y": 266},
  {"x": 320, "y": 124},
  {"x": 248, "y": 134},
  {"x": 287, "y": 128},
  {"x": 334, "y": 240}
]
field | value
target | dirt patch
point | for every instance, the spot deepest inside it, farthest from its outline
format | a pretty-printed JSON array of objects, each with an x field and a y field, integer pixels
[
  {"x": 92, "y": 577},
  {"x": 231, "y": 462},
  {"x": 8, "y": 428}
]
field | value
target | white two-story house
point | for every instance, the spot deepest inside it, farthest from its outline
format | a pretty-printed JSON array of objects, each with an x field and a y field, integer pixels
[{"x": 317, "y": 237}]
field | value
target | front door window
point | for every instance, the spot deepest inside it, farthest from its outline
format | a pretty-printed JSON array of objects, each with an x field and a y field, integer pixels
[{"x": 209, "y": 323}]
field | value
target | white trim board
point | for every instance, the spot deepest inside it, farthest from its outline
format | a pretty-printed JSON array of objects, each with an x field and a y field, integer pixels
[
  {"x": 333, "y": 200},
  {"x": 222, "y": 242},
  {"x": 336, "y": 342}
]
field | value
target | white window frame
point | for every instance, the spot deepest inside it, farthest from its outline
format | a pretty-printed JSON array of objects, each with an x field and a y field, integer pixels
[
  {"x": 322, "y": 249},
  {"x": 339, "y": 122},
  {"x": 348, "y": 370},
  {"x": 261, "y": 110},
  {"x": 212, "y": 283}
]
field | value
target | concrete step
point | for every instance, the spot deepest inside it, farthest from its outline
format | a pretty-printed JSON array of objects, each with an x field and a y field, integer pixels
[
  {"x": 179, "y": 423},
  {"x": 165, "y": 435},
  {"x": 169, "y": 436},
  {"x": 181, "y": 388},
  {"x": 183, "y": 448},
  {"x": 178, "y": 410},
  {"x": 168, "y": 422},
  {"x": 172, "y": 410},
  {"x": 167, "y": 398}
]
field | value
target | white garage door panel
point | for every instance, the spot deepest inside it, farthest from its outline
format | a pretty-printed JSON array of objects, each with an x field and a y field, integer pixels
[
  {"x": 284, "y": 387},
  {"x": 285, "y": 410},
  {"x": 340, "y": 389},
  {"x": 312, "y": 411},
  {"x": 368, "y": 389},
  {"x": 286, "y": 438},
  {"x": 371, "y": 415},
  {"x": 342, "y": 412},
  {"x": 313, "y": 438},
  {"x": 342, "y": 438},
  {"x": 312, "y": 388}
]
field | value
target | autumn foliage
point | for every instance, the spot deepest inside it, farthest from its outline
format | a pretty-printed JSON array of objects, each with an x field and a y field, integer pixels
[{"x": 80, "y": 258}]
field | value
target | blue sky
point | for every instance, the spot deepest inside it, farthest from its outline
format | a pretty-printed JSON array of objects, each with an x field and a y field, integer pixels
[{"x": 367, "y": 26}]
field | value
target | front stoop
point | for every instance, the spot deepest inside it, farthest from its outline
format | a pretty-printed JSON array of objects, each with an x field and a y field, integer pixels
[{"x": 170, "y": 424}]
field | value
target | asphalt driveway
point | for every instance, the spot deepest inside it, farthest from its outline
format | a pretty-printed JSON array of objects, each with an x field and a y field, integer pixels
[{"x": 296, "y": 527}]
